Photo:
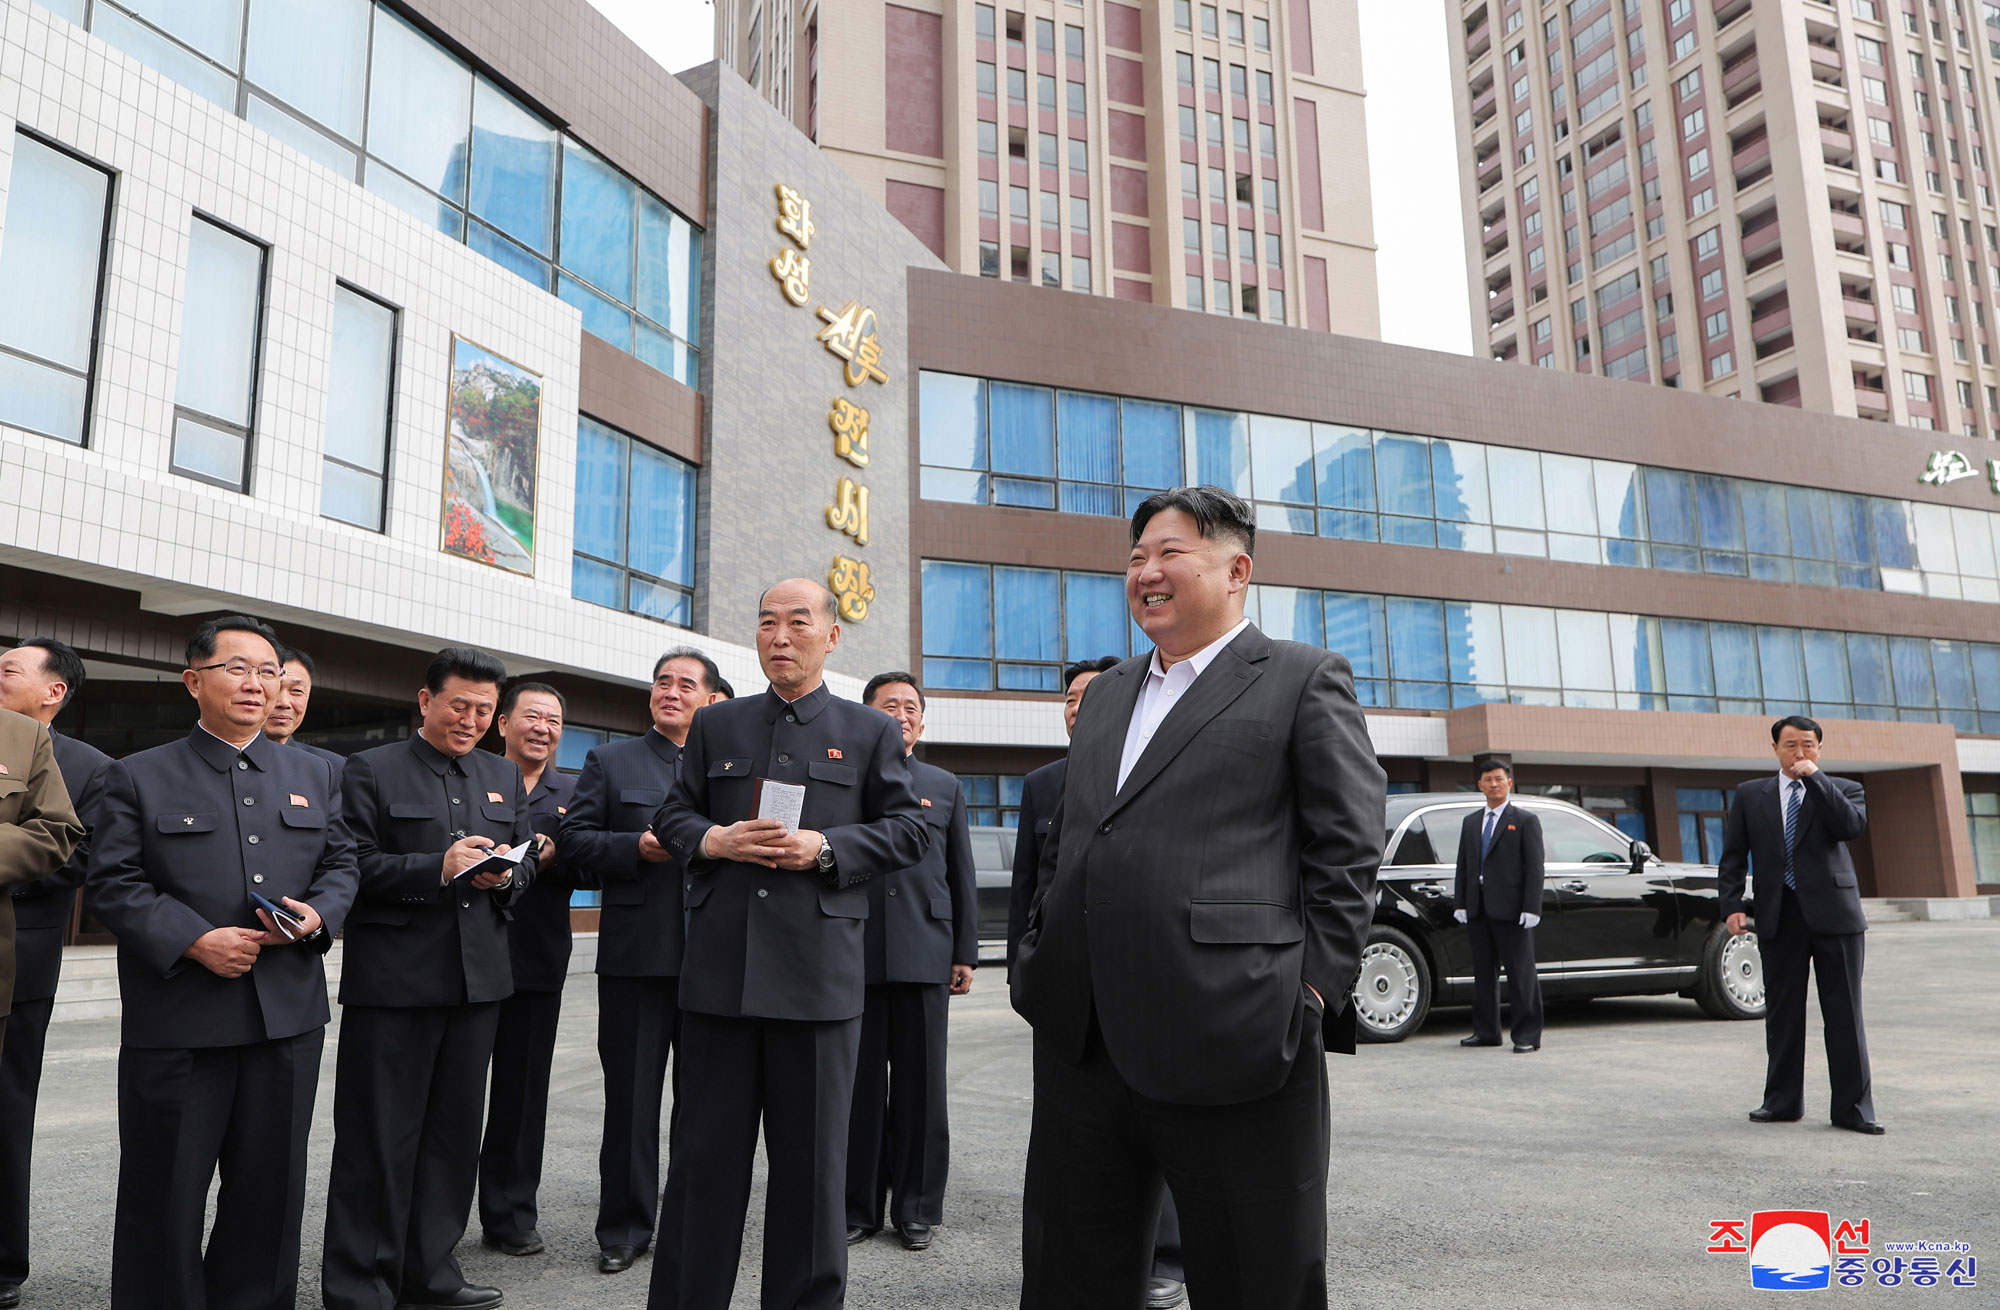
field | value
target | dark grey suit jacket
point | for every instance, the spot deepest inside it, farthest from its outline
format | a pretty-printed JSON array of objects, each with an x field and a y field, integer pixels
[
  {"x": 1237, "y": 863},
  {"x": 1510, "y": 881},
  {"x": 624, "y": 783},
  {"x": 925, "y": 918},
  {"x": 1834, "y": 812}
]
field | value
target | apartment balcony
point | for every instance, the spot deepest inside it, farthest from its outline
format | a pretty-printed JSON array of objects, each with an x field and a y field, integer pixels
[
  {"x": 1488, "y": 171},
  {"x": 1863, "y": 323},
  {"x": 1837, "y": 146},
  {"x": 1826, "y": 67},
  {"x": 1728, "y": 11},
  {"x": 1762, "y": 245},
  {"x": 1750, "y": 159},
  {"x": 1742, "y": 79},
  {"x": 1482, "y": 107},
  {"x": 1479, "y": 39},
  {"x": 1871, "y": 402},
  {"x": 1496, "y": 240},
  {"x": 1499, "y": 311},
  {"x": 1850, "y": 233}
]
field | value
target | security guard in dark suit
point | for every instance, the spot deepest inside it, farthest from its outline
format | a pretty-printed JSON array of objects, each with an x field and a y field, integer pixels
[
  {"x": 773, "y": 976},
  {"x": 224, "y": 1010},
  {"x": 608, "y": 840},
  {"x": 288, "y": 708},
  {"x": 38, "y": 678},
  {"x": 921, "y": 944},
  {"x": 1497, "y": 895},
  {"x": 517, "y": 1112},
  {"x": 426, "y": 968}
]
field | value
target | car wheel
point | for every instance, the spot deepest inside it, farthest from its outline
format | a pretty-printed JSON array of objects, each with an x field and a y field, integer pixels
[
  {"x": 1731, "y": 982},
  {"x": 1393, "y": 993}
]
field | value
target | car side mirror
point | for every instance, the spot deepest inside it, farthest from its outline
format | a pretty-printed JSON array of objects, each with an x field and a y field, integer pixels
[{"x": 1641, "y": 852}]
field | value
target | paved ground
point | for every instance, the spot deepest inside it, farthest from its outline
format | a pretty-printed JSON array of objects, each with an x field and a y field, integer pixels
[{"x": 1582, "y": 1176}]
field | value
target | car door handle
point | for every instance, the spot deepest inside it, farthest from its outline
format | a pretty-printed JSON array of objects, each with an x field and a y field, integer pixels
[
  {"x": 1428, "y": 888},
  {"x": 1576, "y": 885}
]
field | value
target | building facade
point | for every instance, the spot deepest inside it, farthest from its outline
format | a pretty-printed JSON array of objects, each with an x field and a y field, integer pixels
[
  {"x": 1206, "y": 155},
  {"x": 1783, "y": 200}
]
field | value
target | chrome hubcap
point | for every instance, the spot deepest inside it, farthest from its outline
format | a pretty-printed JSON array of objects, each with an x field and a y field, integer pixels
[
  {"x": 1743, "y": 971},
  {"x": 1386, "y": 993}
]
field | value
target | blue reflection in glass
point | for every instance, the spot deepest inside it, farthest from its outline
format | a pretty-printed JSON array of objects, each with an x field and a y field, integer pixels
[
  {"x": 1403, "y": 476},
  {"x": 958, "y": 610},
  {"x": 662, "y": 515},
  {"x": 1781, "y": 664},
  {"x": 600, "y": 584},
  {"x": 1458, "y": 481},
  {"x": 214, "y": 27},
  {"x": 1022, "y": 431},
  {"x": 1735, "y": 657},
  {"x": 1910, "y": 666},
  {"x": 1986, "y": 678},
  {"x": 413, "y": 200},
  {"x": 1670, "y": 506},
  {"x": 1850, "y": 528},
  {"x": 506, "y": 254},
  {"x": 1895, "y": 542},
  {"x": 1954, "y": 675},
  {"x": 601, "y": 318},
  {"x": 1868, "y": 668},
  {"x": 1018, "y": 491},
  {"x": 600, "y": 492},
  {"x": 1218, "y": 449},
  {"x": 1346, "y": 462},
  {"x": 1095, "y": 616},
  {"x": 1686, "y": 647},
  {"x": 313, "y": 55},
  {"x": 1472, "y": 643},
  {"x": 1826, "y": 667},
  {"x": 1416, "y": 638},
  {"x": 1026, "y": 614},
  {"x": 658, "y": 602},
  {"x": 1152, "y": 441},
  {"x": 1766, "y": 525},
  {"x": 598, "y": 205},
  {"x": 513, "y": 181},
  {"x": 952, "y": 420},
  {"x": 419, "y": 107},
  {"x": 669, "y": 269},
  {"x": 1281, "y": 456},
  {"x": 163, "y": 56},
  {"x": 1721, "y": 514},
  {"x": 1087, "y": 439},
  {"x": 1291, "y": 614},
  {"x": 1355, "y": 627},
  {"x": 671, "y": 356}
]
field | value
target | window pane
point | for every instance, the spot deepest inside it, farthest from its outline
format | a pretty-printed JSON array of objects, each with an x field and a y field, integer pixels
[
  {"x": 1766, "y": 526},
  {"x": 1416, "y": 639},
  {"x": 1620, "y": 502},
  {"x": 1868, "y": 666},
  {"x": 507, "y": 255},
  {"x": 1567, "y": 494},
  {"x": 1670, "y": 506},
  {"x": 1290, "y": 614},
  {"x": 1954, "y": 674},
  {"x": 1094, "y": 616},
  {"x": 1282, "y": 459},
  {"x": 357, "y": 398},
  {"x": 600, "y": 492},
  {"x": 669, "y": 270},
  {"x": 414, "y": 200},
  {"x": 600, "y": 584},
  {"x": 1473, "y": 637},
  {"x": 1637, "y": 665},
  {"x": 1826, "y": 668},
  {"x": 308, "y": 141},
  {"x": 1087, "y": 436},
  {"x": 1403, "y": 474},
  {"x": 1721, "y": 516},
  {"x": 1532, "y": 659},
  {"x": 1517, "y": 488},
  {"x": 601, "y": 318},
  {"x": 158, "y": 53},
  {"x": 350, "y": 496},
  {"x": 208, "y": 452},
  {"x": 1986, "y": 676},
  {"x": 214, "y": 27},
  {"x": 958, "y": 611},
  {"x": 1973, "y": 538},
  {"x": 662, "y": 515},
  {"x": 1895, "y": 541},
  {"x": 1023, "y": 430},
  {"x": 1346, "y": 460},
  {"x": 952, "y": 417},
  {"x": 1585, "y": 644},
  {"x": 1688, "y": 671},
  {"x": 219, "y": 324},
  {"x": 313, "y": 55},
  {"x": 671, "y": 356},
  {"x": 1812, "y": 523},
  {"x": 419, "y": 107},
  {"x": 1734, "y": 648},
  {"x": 37, "y": 397},
  {"x": 1910, "y": 666},
  {"x": 598, "y": 204},
  {"x": 658, "y": 602},
  {"x": 513, "y": 184},
  {"x": 1026, "y": 615},
  {"x": 1458, "y": 479},
  {"x": 1218, "y": 449},
  {"x": 1151, "y": 435},
  {"x": 1356, "y": 627},
  {"x": 1850, "y": 528},
  {"x": 49, "y": 257}
]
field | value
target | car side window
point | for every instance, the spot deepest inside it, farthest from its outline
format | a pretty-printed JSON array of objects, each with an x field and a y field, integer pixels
[
  {"x": 1432, "y": 838},
  {"x": 1572, "y": 839}
]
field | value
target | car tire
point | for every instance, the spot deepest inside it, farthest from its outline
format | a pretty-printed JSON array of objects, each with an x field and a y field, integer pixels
[
  {"x": 1731, "y": 982},
  {"x": 1392, "y": 995}
]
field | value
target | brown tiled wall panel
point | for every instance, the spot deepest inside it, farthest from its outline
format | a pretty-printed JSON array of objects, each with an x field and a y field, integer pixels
[
  {"x": 1131, "y": 248},
  {"x": 617, "y": 389},
  {"x": 913, "y": 95},
  {"x": 1128, "y": 134},
  {"x": 919, "y": 208},
  {"x": 1125, "y": 80},
  {"x": 1299, "y": 36},
  {"x": 1319, "y": 310},
  {"x": 1312, "y": 204},
  {"x": 1121, "y": 27},
  {"x": 573, "y": 63},
  {"x": 1128, "y": 190}
]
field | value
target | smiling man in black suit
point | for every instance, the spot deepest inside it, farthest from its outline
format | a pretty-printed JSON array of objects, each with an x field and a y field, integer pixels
[{"x": 1498, "y": 898}]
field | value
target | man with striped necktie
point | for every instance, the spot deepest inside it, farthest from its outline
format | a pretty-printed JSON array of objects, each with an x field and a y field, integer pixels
[{"x": 1789, "y": 833}]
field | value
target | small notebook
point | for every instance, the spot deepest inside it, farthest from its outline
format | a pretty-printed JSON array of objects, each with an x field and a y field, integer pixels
[{"x": 783, "y": 801}]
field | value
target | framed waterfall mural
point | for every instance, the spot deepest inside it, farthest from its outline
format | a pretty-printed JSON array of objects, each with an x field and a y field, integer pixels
[{"x": 492, "y": 444}]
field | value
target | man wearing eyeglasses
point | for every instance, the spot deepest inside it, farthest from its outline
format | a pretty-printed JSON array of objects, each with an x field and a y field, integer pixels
[{"x": 224, "y": 1003}]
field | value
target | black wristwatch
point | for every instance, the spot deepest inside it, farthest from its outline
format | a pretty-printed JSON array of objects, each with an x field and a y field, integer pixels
[{"x": 825, "y": 855}]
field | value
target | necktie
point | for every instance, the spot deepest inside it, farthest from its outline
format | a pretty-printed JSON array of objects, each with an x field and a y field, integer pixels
[
  {"x": 1486, "y": 838},
  {"x": 1797, "y": 791}
]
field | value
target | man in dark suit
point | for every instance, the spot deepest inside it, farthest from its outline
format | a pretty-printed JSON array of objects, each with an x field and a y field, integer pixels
[
  {"x": 426, "y": 967},
  {"x": 288, "y": 707},
  {"x": 1207, "y": 886},
  {"x": 1498, "y": 897},
  {"x": 921, "y": 943},
  {"x": 1040, "y": 791},
  {"x": 224, "y": 1010},
  {"x": 609, "y": 843},
  {"x": 1790, "y": 833},
  {"x": 38, "y": 678},
  {"x": 39, "y": 829},
  {"x": 530, "y": 724},
  {"x": 773, "y": 976}
]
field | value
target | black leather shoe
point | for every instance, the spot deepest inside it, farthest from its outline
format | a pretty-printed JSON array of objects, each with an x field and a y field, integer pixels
[
  {"x": 616, "y": 1259},
  {"x": 857, "y": 1235},
  {"x": 10, "y": 1294},
  {"x": 528, "y": 1243},
  {"x": 1760, "y": 1115},
  {"x": 916, "y": 1237},
  {"x": 1522, "y": 1048},
  {"x": 1164, "y": 1294},
  {"x": 465, "y": 1298},
  {"x": 1477, "y": 1041},
  {"x": 1866, "y": 1126}
]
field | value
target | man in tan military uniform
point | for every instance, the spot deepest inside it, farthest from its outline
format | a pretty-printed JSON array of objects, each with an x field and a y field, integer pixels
[{"x": 38, "y": 826}]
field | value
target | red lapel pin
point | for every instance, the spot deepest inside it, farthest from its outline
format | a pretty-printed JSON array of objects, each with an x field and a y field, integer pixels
[
  {"x": 301, "y": 801},
  {"x": 832, "y": 754},
  {"x": 924, "y": 801},
  {"x": 495, "y": 797}
]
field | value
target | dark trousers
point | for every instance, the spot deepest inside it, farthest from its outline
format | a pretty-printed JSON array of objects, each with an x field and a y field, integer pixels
[
  {"x": 1496, "y": 942},
  {"x": 26, "y": 1032},
  {"x": 1835, "y": 960},
  {"x": 1249, "y": 1180},
  {"x": 517, "y": 1113},
  {"x": 898, "y": 1140},
  {"x": 182, "y": 1116},
  {"x": 407, "y": 1091},
  {"x": 798, "y": 1078},
  {"x": 637, "y": 1019}
]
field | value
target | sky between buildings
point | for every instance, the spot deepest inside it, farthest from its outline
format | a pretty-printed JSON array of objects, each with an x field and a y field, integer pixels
[{"x": 1412, "y": 150}]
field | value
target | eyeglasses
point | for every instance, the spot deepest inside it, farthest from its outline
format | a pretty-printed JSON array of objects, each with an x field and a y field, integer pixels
[{"x": 242, "y": 669}]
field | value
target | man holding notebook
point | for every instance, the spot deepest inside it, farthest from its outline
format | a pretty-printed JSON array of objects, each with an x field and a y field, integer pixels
[{"x": 773, "y": 974}]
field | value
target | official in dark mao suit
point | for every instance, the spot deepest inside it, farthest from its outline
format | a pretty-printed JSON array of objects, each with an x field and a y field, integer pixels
[
  {"x": 426, "y": 967},
  {"x": 1790, "y": 834},
  {"x": 773, "y": 976},
  {"x": 609, "y": 842},
  {"x": 288, "y": 707},
  {"x": 224, "y": 1011},
  {"x": 530, "y": 724},
  {"x": 1040, "y": 791},
  {"x": 1498, "y": 897},
  {"x": 922, "y": 945},
  {"x": 38, "y": 678},
  {"x": 1194, "y": 950}
]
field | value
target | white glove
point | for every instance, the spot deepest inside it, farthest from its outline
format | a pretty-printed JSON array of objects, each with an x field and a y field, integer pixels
[
  {"x": 1529, "y": 920},
  {"x": 1458, "y": 915}
]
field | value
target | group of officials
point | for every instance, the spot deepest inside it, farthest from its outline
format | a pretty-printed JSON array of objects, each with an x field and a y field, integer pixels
[{"x": 1196, "y": 888}]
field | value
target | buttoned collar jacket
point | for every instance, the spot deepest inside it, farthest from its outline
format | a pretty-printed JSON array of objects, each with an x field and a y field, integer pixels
[
  {"x": 538, "y": 937},
  {"x": 925, "y": 918},
  {"x": 619, "y": 794}
]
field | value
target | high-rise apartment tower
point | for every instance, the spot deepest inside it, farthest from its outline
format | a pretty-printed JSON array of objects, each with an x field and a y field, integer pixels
[
  {"x": 1784, "y": 200},
  {"x": 1206, "y": 155}
]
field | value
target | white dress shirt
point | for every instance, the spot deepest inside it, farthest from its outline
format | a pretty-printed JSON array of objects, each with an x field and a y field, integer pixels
[
  {"x": 1785, "y": 785},
  {"x": 1161, "y": 692}
]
